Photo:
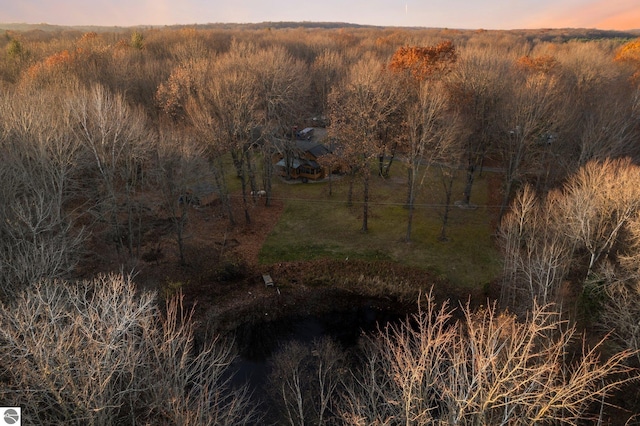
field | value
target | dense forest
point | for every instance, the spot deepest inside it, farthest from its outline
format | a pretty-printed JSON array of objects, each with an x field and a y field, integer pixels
[{"x": 113, "y": 141}]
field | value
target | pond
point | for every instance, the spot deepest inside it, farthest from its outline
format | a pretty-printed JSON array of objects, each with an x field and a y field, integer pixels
[{"x": 257, "y": 342}]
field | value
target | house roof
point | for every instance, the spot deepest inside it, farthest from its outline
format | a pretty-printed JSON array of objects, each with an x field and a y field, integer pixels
[
  {"x": 313, "y": 148},
  {"x": 297, "y": 163}
]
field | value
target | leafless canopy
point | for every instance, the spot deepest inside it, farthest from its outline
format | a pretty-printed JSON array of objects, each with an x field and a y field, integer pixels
[
  {"x": 487, "y": 368},
  {"x": 96, "y": 353}
]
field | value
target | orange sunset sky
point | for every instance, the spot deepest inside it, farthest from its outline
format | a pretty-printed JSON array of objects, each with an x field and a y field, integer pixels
[{"x": 463, "y": 14}]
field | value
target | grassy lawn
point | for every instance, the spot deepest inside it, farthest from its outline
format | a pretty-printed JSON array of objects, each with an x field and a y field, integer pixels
[{"x": 316, "y": 225}]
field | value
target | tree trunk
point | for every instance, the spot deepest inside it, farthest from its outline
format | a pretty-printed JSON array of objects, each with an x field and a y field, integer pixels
[
  {"x": 466, "y": 198},
  {"x": 447, "y": 177},
  {"x": 387, "y": 169},
  {"x": 410, "y": 203},
  {"x": 245, "y": 202},
  {"x": 237, "y": 162},
  {"x": 509, "y": 180},
  {"x": 251, "y": 170},
  {"x": 365, "y": 200},
  {"x": 505, "y": 199},
  {"x": 223, "y": 192},
  {"x": 350, "y": 192},
  {"x": 267, "y": 175},
  {"x": 180, "y": 224}
]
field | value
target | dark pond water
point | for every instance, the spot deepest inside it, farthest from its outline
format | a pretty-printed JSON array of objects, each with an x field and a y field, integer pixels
[{"x": 258, "y": 342}]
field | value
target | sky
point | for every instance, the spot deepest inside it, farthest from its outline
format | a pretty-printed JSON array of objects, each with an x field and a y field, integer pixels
[{"x": 459, "y": 14}]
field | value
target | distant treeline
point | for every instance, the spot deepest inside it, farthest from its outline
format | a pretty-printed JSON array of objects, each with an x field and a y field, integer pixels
[{"x": 545, "y": 34}]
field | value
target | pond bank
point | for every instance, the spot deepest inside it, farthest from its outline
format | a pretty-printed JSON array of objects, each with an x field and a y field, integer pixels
[{"x": 319, "y": 286}]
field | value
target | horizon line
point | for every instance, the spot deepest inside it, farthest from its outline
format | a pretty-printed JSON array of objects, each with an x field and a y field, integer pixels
[{"x": 335, "y": 23}]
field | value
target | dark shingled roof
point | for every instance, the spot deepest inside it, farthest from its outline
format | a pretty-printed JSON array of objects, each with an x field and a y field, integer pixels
[{"x": 313, "y": 148}]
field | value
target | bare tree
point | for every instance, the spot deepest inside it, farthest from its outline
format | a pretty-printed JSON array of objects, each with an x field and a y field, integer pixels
[
  {"x": 289, "y": 374},
  {"x": 39, "y": 132},
  {"x": 173, "y": 95},
  {"x": 434, "y": 130},
  {"x": 621, "y": 310},
  {"x": 97, "y": 353},
  {"x": 601, "y": 198},
  {"x": 604, "y": 101},
  {"x": 608, "y": 128},
  {"x": 544, "y": 237},
  {"x": 38, "y": 237},
  {"x": 283, "y": 85},
  {"x": 181, "y": 165},
  {"x": 304, "y": 381},
  {"x": 448, "y": 174},
  {"x": 477, "y": 85},
  {"x": 618, "y": 277},
  {"x": 488, "y": 368},
  {"x": 117, "y": 140},
  {"x": 359, "y": 107},
  {"x": 224, "y": 112},
  {"x": 327, "y": 69},
  {"x": 537, "y": 250},
  {"x": 526, "y": 116}
]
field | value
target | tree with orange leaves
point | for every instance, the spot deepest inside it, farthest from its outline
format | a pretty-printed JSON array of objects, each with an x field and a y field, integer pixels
[
  {"x": 630, "y": 53},
  {"x": 422, "y": 62},
  {"x": 54, "y": 70},
  {"x": 544, "y": 64}
]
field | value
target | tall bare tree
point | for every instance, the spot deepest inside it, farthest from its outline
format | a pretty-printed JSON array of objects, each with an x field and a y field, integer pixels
[
  {"x": 621, "y": 309},
  {"x": 621, "y": 280},
  {"x": 538, "y": 252},
  {"x": 359, "y": 107},
  {"x": 477, "y": 85},
  {"x": 224, "y": 112},
  {"x": 173, "y": 95},
  {"x": 181, "y": 165},
  {"x": 118, "y": 141},
  {"x": 525, "y": 119},
  {"x": 283, "y": 86},
  {"x": 546, "y": 236},
  {"x": 180, "y": 99},
  {"x": 434, "y": 131},
  {"x": 39, "y": 172},
  {"x": 601, "y": 199},
  {"x": 304, "y": 380},
  {"x": 603, "y": 103},
  {"x": 327, "y": 69}
]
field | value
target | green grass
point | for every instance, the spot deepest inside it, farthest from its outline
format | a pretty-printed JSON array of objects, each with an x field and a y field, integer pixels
[{"x": 315, "y": 225}]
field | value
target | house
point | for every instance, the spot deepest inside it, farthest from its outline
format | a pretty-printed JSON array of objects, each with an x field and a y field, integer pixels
[{"x": 303, "y": 161}]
